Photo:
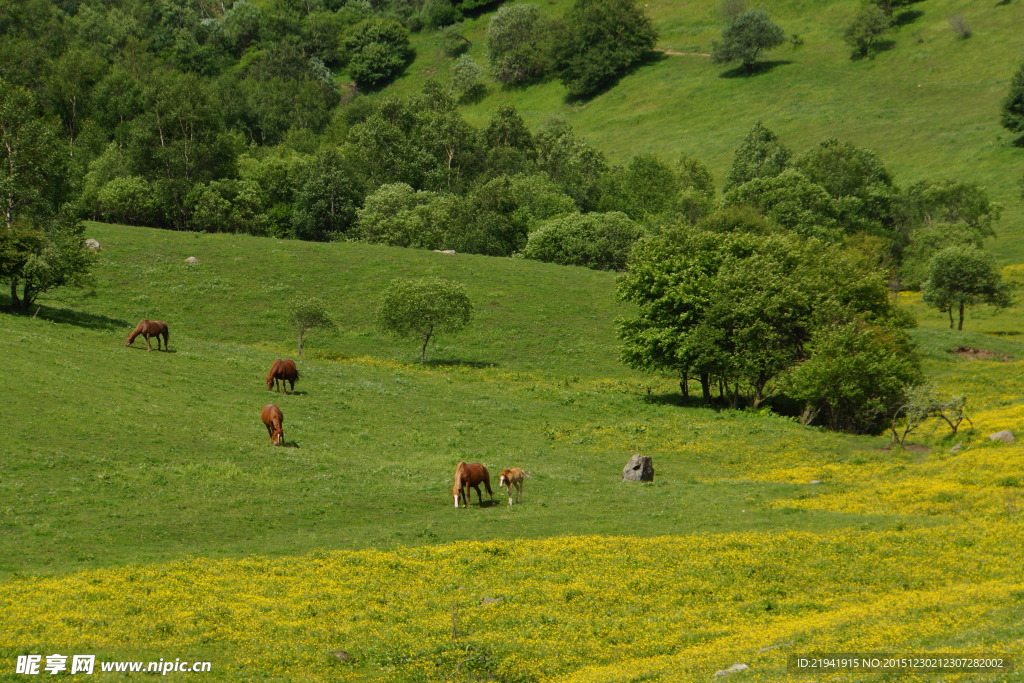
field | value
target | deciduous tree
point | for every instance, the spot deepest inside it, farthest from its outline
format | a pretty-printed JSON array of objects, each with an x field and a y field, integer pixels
[
  {"x": 307, "y": 314},
  {"x": 422, "y": 308},
  {"x": 1013, "y": 104},
  {"x": 599, "y": 41},
  {"x": 961, "y": 277},
  {"x": 747, "y": 34}
]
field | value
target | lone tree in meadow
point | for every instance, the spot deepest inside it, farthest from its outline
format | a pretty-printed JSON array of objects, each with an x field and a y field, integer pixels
[
  {"x": 743, "y": 39},
  {"x": 1013, "y": 105},
  {"x": 962, "y": 276},
  {"x": 865, "y": 30},
  {"x": 309, "y": 313},
  {"x": 423, "y": 307}
]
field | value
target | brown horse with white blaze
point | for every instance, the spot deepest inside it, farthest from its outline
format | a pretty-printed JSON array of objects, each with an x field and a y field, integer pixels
[
  {"x": 467, "y": 475},
  {"x": 151, "y": 328},
  {"x": 282, "y": 371},
  {"x": 274, "y": 420}
]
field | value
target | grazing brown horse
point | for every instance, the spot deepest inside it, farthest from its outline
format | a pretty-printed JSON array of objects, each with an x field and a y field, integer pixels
[
  {"x": 283, "y": 371},
  {"x": 513, "y": 477},
  {"x": 274, "y": 421},
  {"x": 151, "y": 328},
  {"x": 470, "y": 475}
]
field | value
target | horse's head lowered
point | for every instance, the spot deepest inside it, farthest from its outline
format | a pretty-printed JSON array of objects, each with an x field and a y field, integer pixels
[{"x": 278, "y": 436}]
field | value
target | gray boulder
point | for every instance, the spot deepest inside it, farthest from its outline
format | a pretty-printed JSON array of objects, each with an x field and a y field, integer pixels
[
  {"x": 1004, "y": 436},
  {"x": 92, "y": 244},
  {"x": 639, "y": 468}
]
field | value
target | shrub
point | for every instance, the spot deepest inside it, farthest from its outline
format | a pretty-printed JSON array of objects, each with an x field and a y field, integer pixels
[
  {"x": 596, "y": 240},
  {"x": 864, "y": 31},
  {"x": 379, "y": 49}
]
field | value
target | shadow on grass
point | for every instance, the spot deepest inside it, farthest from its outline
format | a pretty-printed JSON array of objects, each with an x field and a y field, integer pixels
[
  {"x": 651, "y": 57},
  {"x": 77, "y": 318},
  {"x": 1003, "y": 3},
  {"x": 906, "y": 17},
  {"x": 142, "y": 347},
  {"x": 676, "y": 399},
  {"x": 755, "y": 69},
  {"x": 874, "y": 50},
  {"x": 1019, "y": 142},
  {"x": 477, "y": 365}
]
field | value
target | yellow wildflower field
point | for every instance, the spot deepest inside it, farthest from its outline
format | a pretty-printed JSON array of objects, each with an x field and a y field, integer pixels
[{"x": 563, "y": 609}]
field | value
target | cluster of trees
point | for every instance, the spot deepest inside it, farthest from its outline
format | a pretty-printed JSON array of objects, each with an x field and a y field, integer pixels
[
  {"x": 780, "y": 293},
  {"x": 768, "y": 314}
]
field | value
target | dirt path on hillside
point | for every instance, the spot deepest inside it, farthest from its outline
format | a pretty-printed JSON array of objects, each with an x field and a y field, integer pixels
[{"x": 680, "y": 54}]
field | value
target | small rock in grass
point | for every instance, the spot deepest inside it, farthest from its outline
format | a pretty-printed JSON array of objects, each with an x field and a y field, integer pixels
[
  {"x": 735, "y": 668},
  {"x": 639, "y": 468},
  {"x": 92, "y": 244},
  {"x": 191, "y": 259},
  {"x": 1004, "y": 436},
  {"x": 342, "y": 656}
]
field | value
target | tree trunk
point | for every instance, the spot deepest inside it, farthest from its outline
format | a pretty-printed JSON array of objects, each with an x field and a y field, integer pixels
[
  {"x": 15, "y": 302},
  {"x": 423, "y": 351},
  {"x": 960, "y": 325},
  {"x": 951, "y": 316},
  {"x": 301, "y": 334},
  {"x": 684, "y": 385},
  {"x": 705, "y": 387}
]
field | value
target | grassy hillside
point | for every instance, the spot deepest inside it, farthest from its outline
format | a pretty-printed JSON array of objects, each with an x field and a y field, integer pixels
[
  {"x": 145, "y": 514},
  {"x": 929, "y": 106}
]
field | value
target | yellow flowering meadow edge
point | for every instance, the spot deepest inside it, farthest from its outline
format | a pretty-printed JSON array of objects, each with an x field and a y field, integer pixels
[{"x": 571, "y": 609}]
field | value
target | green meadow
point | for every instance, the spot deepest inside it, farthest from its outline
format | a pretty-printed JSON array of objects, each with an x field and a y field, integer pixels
[
  {"x": 373, "y": 437},
  {"x": 929, "y": 105},
  {"x": 138, "y": 486}
]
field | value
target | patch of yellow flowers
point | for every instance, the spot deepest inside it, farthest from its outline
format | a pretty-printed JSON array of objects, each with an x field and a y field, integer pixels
[{"x": 569, "y": 609}]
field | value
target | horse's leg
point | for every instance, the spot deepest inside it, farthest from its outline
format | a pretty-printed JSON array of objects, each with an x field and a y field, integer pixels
[{"x": 149, "y": 347}]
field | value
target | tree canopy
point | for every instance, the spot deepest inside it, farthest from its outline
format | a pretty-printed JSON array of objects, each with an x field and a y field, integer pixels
[
  {"x": 960, "y": 277},
  {"x": 421, "y": 308},
  {"x": 747, "y": 34},
  {"x": 599, "y": 41}
]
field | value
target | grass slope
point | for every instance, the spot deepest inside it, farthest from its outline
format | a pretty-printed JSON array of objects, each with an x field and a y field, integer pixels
[
  {"x": 929, "y": 106},
  {"x": 144, "y": 514}
]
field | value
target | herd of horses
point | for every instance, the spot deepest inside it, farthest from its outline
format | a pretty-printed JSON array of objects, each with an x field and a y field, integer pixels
[{"x": 283, "y": 375}]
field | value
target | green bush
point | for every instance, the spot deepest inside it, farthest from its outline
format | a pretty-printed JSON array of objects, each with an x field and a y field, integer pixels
[
  {"x": 379, "y": 50},
  {"x": 601, "y": 241}
]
